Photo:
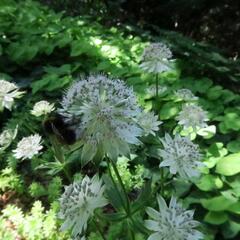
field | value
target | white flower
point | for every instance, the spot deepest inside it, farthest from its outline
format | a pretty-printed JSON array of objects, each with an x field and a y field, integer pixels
[
  {"x": 6, "y": 138},
  {"x": 181, "y": 155},
  {"x": 156, "y": 58},
  {"x": 172, "y": 223},
  {"x": 104, "y": 114},
  {"x": 28, "y": 147},
  {"x": 152, "y": 90},
  {"x": 192, "y": 116},
  {"x": 42, "y": 108},
  {"x": 78, "y": 203},
  {"x": 8, "y": 91},
  {"x": 185, "y": 94},
  {"x": 149, "y": 122}
]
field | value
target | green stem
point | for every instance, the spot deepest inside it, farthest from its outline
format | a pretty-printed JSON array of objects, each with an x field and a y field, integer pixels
[
  {"x": 99, "y": 229},
  {"x": 127, "y": 208},
  {"x": 115, "y": 185},
  {"x": 162, "y": 181},
  {"x": 122, "y": 186},
  {"x": 157, "y": 83}
]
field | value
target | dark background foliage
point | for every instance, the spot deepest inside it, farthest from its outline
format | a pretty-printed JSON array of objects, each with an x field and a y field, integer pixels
[{"x": 216, "y": 21}]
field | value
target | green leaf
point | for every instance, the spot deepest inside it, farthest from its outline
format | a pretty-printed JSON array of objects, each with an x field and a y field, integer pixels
[
  {"x": 234, "y": 146},
  {"x": 207, "y": 132},
  {"x": 229, "y": 165},
  {"x": 232, "y": 121},
  {"x": 209, "y": 182},
  {"x": 168, "y": 110},
  {"x": 216, "y": 218},
  {"x": 217, "y": 204}
]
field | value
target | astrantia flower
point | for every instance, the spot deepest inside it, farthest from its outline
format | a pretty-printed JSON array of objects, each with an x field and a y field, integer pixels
[
  {"x": 192, "y": 116},
  {"x": 156, "y": 58},
  {"x": 6, "y": 137},
  {"x": 104, "y": 114},
  {"x": 185, "y": 94},
  {"x": 8, "y": 91},
  {"x": 28, "y": 147},
  {"x": 181, "y": 156},
  {"x": 78, "y": 203},
  {"x": 42, "y": 108},
  {"x": 152, "y": 90},
  {"x": 172, "y": 223},
  {"x": 149, "y": 122}
]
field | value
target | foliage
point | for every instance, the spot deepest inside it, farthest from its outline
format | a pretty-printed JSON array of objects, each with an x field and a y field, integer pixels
[{"x": 36, "y": 225}]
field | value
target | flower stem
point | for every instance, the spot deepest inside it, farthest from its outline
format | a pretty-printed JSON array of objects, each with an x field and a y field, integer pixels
[
  {"x": 162, "y": 181},
  {"x": 115, "y": 185},
  {"x": 157, "y": 83},
  {"x": 122, "y": 186},
  {"x": 99, "y": 229}
]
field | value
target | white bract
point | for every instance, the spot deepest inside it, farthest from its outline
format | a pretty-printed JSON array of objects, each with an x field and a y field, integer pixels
[
  {"x": 104, "y": 114},
  {"x": 181, "y": 156},
  {"x": 185, "y": 94},
  {"x": 28, "y": 147},
  {"x": 8, "y": 91},
  {"x": 172, "y": 223},
  {"x": 42, "y": 108},
  {"x": 152, "y": 90},
  {"x": 6, "y": 138},
  {"x": 192, "y": 116},
  {"x": 156, "y": 58},
  {"x": 149, "y": 122},
  {"x": 78, "y": 203}
]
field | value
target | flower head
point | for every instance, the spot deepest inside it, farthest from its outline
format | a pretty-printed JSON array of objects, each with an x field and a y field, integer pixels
[
  {"x": 6, "y": 138},
  {"x": 185, "y": 94},
  {"x": 172, "y": 223},
  {"x": 155, "y": 58},
  {"x": 8, "y": 91},
  {"x": 28, "y": 147},
  {"x": 149, "y": 123},
  {"x": 192, "y": 116},
  {"x": 104, "y": 114},
  {"x": 152, "y": 90},
  {"x": 42, "y": 108},
  {"x": 78, "y": 203},
  {"x": 181, "y": 155}
]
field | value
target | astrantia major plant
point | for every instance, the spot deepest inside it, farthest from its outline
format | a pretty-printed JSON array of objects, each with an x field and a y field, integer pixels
[
  {"x": 156, "y": 58},
  {"x": 181, "y": 156},
  {"x": 192, "y": 116},
  {"x": 104, "y": 113},
  {"x": 8, "y": 92},
  {"x": 172, "y": 223},
  {"x": 78, "y": 203},
  {"x": 185, "y": 94},
  {"x": 42, "y": 108},
  {"x": 28, "y": 147}
]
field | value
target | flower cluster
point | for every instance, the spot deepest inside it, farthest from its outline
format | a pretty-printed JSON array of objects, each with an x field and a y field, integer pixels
[
  {"x": 149, "y": 122},
  {"x": 42, "y": 108},
  {"x": 152, "y": 90},
  {"x": 6, "y": 138},
  {"x": 156, "y": 58},
  {"x": 28, "y": 147},
  {"x": 104, "y": 113},
  {"x": 192, "y": 116},
  {"x": 185, "y": 94},
  {"x": 8, "y": 91},
  {"x": 172, "y": 223},
  {"x": 78, "y": 203},
  {"x": 181, "y": 155}
]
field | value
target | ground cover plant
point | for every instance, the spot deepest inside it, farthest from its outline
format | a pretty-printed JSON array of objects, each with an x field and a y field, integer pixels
[{"x": 114, "y": 133}]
